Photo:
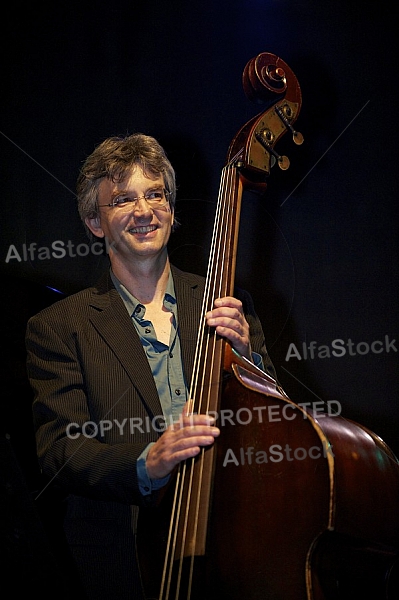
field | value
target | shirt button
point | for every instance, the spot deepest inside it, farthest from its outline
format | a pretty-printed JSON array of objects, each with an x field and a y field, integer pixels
[
  {"x": 177, "y": 392},
  {"x": 147, "y": 330}
]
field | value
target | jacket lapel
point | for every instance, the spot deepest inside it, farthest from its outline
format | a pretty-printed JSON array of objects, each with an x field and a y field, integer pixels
[
  {"x": 189, "y": 290},
  {"x": 112, "y": 321}
]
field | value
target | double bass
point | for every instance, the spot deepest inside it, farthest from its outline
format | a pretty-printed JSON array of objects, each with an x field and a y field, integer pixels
[{"x": 301, "y": 507}]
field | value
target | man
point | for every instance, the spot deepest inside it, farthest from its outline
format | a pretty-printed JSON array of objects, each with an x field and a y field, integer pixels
[{"x": 106, "y": 363}]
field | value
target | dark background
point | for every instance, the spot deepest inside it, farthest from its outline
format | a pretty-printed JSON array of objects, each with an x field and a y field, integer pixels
[{"x": 318, "y": 251}]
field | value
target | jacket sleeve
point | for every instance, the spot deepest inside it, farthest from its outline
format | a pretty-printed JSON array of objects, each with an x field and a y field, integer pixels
[
  {"x": 70, "y": 442},
  {"x": 257, "y": 335}
]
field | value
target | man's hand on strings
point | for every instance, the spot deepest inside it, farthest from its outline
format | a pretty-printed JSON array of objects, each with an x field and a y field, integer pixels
[
  {"x": 180, "y": 441},
  {"x": 228, "y": 319}
]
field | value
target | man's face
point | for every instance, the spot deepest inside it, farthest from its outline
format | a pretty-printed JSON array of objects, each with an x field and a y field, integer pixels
[{"x": 133, "y": 230}]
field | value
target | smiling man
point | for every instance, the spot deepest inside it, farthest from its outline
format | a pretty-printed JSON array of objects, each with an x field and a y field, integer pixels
[{"x": 120, "y": 352}]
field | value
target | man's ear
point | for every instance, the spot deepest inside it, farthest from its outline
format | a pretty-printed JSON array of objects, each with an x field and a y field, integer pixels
[{"x": 94, "y": 224}]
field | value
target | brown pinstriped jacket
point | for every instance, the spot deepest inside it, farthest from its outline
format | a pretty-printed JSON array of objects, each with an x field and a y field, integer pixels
[{"x": 94, "y": 401}]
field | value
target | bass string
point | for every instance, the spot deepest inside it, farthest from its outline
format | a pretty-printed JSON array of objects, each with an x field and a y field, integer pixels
[{"x": 201, "y": 387}]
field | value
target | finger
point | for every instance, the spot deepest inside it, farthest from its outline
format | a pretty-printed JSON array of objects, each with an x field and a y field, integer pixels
[
  {"x": 189, "y": 417},
  {"x": 228, "y": 301},
  {"x": 226, "y": 317}
]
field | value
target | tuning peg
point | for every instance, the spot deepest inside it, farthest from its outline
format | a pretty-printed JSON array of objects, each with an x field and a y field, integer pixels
[
  {"x": 264, "y": 137},
  {"x": 284, "y": 112},
  {"x": 297, "y": 137}
]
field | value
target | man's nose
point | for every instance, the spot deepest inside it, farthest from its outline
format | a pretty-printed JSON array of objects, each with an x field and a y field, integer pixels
[{"x": 141, "y": 207}]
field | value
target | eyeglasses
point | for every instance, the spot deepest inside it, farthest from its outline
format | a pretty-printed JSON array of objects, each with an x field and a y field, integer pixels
[{"x": 154, "y": 198}]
